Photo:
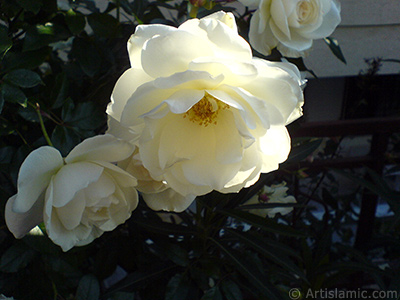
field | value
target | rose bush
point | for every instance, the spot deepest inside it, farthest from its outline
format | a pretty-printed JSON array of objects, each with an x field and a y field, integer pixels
[
  {"x": 78, "y": 197},
  {"x": 204, "y": 114},
  {"x": 291, "y": 25}
]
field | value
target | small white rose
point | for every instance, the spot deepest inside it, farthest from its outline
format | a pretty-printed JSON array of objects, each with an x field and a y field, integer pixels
[
  {"x": 203, "y": 113},
  {"x": 291, "y": 25},
  {"x": 78, "y": 197},
  {"x": 272, "y": 194}
]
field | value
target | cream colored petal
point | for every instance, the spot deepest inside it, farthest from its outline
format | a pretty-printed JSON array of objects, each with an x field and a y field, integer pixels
[
  {"x": 168, "y": 200},
  {"x": 21, "y": 223},
  {"x": 70, "y": 214},
  {"x": 126, "y": 85},
  {"x": 71, "y": 179},
  {"x": 122, "y": 178},
  {"x": 116, "y": 129},
  {"x": 34, "y": 176},
  {"x": 330, "y": 21},
  {"x": 161, "y": 59},
  {"x": 138, "y": 39},
  {"x": 262, "y": 40},
  {"x": 102, "y": 188},
  {"x": 279, "y": 19},
  {"x": 101, "y": 147}
]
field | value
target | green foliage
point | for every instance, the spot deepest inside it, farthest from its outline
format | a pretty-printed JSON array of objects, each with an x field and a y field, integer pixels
[{"x": 58, "y": 66}]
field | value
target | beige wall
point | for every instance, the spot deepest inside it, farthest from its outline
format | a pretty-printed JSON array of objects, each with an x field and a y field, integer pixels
[{"x": 369, "y": 28}]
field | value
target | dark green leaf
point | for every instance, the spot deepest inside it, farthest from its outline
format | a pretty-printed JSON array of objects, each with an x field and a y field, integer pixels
[
  {"x": 16, "y": 258},
  {"x": 335, "y": 48},
  {"x": 87, "y": 55},
  {"x": 177, "y": 254},
  {"x": 5, "y": 41},
  {"x": 86, "y": 116},
  {"x": 1, "y": 102},
  {"x": 263, "y": 223},
  {"x": 75, "y": 21},
  {"x": 88, "y": 288},
  {"x": 212, "y": 294},
  {"x": 122, "y": 296},
  {"x": 165, "y": 228},
  {"x": 301, "y": 152},
  {"x": 250, "y": 272},
  {"x": 43, "y": 35},
  {"x": 13, "y": 94},
  {"x": 23, "y": 78},
  {"x": 25, "y": 60},
  {"x": 177, "y": 288},
  {"x": 103, "y": 25},
  {"x": 60, "y": 90},
  {"x": 262, "y": 248},
  {"x": 29, "y": 5},
  {"x": 28, "y": 113},
  {"x": 6, "y": 154},
  {"x": 64, "y": 139},
  {"x": 231, "y": 290}
]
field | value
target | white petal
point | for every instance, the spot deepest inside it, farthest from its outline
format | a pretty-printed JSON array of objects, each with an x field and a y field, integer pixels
[
  {"x": 101, "y": 147},
  {"x": 160, "y": 57},
  {"x": 21, "y": 223},
  {"x": 279, "y": 18},
  {"x": 263, "y": 41},
  {"x": 168, "y": 200},
  {"x": 34, "y": 176},
  {"x": 126, "y": 85},
  {"x": 116, "y": 129},
  {"x": 71, "y": 179},
  {"x": 70, "y": 214},
  {"x": 141, "y": 35},
  {"x": 123, "y": 178}
]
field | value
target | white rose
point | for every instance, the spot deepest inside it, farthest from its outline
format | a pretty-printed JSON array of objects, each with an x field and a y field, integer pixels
[
  {"x": 78, "y": 197},
  {"x": 273, "y": 194},
  {"x": 292, "y": 25},
  {"x": 204, "y": 114}
]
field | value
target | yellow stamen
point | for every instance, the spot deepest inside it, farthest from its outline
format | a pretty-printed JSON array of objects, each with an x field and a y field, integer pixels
[{"x": 205, "y": 112}]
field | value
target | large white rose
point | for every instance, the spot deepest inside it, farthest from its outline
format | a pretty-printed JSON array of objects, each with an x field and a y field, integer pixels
[
  {"x": 204, "y": 114},
  {"x": 291, "y": 25},
  {"x": 78, "y": 197}
]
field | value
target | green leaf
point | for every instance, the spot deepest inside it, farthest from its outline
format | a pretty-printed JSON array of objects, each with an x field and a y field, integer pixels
[
  {"x": 13, "y": 94},
  {"x": 176, "y": 254},
  {"x": 88, "y": 288},
  {"x": 263, "y": 248},
  {"x": 122, "y": 296},
  {"x": 64, "y": 139},
  {"x": 298, "y": 153},
  {"x": 212, "y": 294},
  {"x": 250, "y": 272},
  {"x": 231, "y": 290},
  {"x": 75, "y": 21},
  {"x": 42, "y": 35},
  {"x": 177, "y": 288},
  {"x": 86, "y": 116},
  {"x": 103, "y": 25},
  {"x": 29, "y": 5},
  {"x": 25, "y": 60},
  {"x": 23, "y": 78},
  {"x": 1, "y": 102},
  {"x": 60, "y": 90},
  {"x": 164, "y": 228},
  {"x": 28, "y": 113},
  {"x": 262, "y": 223},
  {"x": 5, "y": 41},
  {"x": 16, "y": 258},
  {"x": 335, "y": 48},
  {"x": 87, "y": 55}
]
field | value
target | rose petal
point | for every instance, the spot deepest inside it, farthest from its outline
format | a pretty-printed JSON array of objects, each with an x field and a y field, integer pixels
[
  {"x": 21, "y": 223},
  {"x": 34, "y": 176},
  {"x": 168, "y": 200},
  {"x": 101, "y": 147},
  {"x": 72, "y": 178}
]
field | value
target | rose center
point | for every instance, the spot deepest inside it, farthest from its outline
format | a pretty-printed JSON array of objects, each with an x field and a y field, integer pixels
[
  {"x": 306, "y": 11},
  {"x": 205, "y": 112}
]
